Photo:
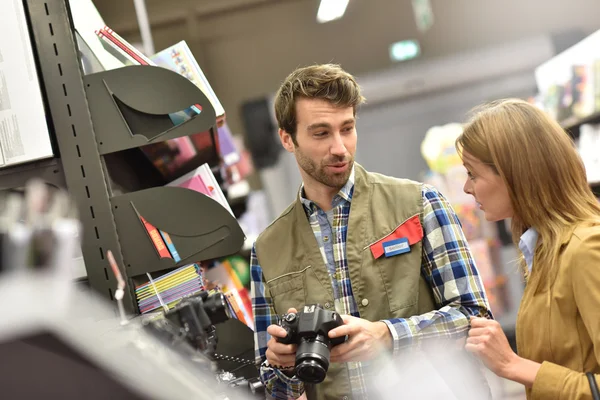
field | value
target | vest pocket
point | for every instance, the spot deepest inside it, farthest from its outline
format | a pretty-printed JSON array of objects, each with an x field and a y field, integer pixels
[
  {"x": 287, "y": 292},
  {"x": 399, "y": 276},
  {"x": 297, "y": 289},
  {"x": 401, "y": 284}
]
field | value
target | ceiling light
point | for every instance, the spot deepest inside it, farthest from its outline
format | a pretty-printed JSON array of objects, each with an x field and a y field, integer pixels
[
  {"x": 405, "y": 50},
  {"x": 330, "y": 10}
]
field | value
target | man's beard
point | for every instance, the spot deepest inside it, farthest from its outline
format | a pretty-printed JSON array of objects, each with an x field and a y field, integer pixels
[{"x": 319, "y": 172}]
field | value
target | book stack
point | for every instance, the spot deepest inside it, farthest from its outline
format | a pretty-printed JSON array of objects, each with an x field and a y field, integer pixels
[{"x": 168, "y": 290}]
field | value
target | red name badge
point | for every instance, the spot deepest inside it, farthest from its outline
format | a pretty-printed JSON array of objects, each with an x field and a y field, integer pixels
[{"x": 411, "y": 229}]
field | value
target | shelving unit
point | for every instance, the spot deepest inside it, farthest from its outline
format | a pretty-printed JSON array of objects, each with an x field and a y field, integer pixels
[
  {"x": 568, "y": 88},
  {"x": 99, "y": 117},
  {"x": 198, "y": 236},
  {"x": 572, "y": 124},
  {"x": 124, "y": 116}
]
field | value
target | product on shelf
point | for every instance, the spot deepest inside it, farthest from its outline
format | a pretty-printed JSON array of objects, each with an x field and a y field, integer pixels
[
  {"x": 168, "y": 289},
  {"x": 179, "y": 58},
  {"x": 223, "y": 274},
  {"x": 169, "y": 156},
  {"x": 101, "y": 126},
  {"x": 203, "y": 180},
  {"x": 589, "y": 150},
  {"x": 569, "y": 83}
]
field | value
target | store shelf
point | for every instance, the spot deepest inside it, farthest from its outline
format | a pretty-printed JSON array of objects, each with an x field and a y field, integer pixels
[
  {"x": 125, "y": 116},
  {"x": 236, "y": 340},
  {"x": 595, "y": 188},
  {"x": 207, "y": 155},
  {"x": 200, "y": 228},
  {"x": 572, "y": 124},
  {"x": 16, "y": 176},
  {"x": 99, "y": 122}
]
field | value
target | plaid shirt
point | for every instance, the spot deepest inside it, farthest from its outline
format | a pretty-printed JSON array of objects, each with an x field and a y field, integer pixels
[{"x": 446, "y": 264}]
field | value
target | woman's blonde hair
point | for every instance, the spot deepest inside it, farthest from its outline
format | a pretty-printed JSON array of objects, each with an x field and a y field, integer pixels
[{"x": 542, "y": 170}]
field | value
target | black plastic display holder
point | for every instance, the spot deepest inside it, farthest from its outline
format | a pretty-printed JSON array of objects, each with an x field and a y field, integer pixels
[
  {"x": 130, "y": 106},
  {"x": 201, "y": 229},
  {"x": 108, "y": 112}
]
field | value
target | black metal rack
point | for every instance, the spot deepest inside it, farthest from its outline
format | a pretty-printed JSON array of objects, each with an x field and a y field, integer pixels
[{"x": 103, "y": 113}]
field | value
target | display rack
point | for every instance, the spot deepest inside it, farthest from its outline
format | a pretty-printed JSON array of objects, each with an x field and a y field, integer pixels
[
  {"x": 572, "y": 124},
  {"x": 101, "y": 114}
]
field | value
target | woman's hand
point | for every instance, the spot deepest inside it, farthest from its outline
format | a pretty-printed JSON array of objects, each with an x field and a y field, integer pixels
[{"x": 488, "y": 342}]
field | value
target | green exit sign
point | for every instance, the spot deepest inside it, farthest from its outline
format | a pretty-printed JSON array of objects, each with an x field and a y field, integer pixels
[{"x": 405, "y": 50}]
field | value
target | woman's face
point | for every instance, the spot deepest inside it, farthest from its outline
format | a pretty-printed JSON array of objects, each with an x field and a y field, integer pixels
[{"x": 487, "y": 188}]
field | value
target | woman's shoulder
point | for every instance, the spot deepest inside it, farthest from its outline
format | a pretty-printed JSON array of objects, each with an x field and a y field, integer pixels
[
  {"x": 585, "y": 237},
  {"x": 587, "y": 231}
]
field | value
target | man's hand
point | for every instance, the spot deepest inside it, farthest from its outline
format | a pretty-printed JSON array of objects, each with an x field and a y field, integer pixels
[
  {"x": 279, "y": 354},
  {"x": 366, "y": 339}
]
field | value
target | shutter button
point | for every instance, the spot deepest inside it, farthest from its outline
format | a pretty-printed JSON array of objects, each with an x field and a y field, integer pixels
[
  {"x": 328, "y": 305},
  {"x": 291, "y": 317},
  {"x": 365, "y": 302}
]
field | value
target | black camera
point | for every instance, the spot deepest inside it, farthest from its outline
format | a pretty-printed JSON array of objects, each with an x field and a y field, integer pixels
[
  {"x": 196, "y": 316},
  {"x": 309, "y": 329},
  {"x": 215, "y": 306}
]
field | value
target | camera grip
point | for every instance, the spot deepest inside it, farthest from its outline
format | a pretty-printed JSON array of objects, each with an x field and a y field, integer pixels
[
  {"x": 289, "y": 338},
  {"x": 289, "y": 322}
]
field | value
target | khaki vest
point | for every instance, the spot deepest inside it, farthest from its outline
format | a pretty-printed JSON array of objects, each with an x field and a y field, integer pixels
[{"x": 295, "y": 273}]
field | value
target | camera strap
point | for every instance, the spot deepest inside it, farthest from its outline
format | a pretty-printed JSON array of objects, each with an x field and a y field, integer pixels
[
  {"x": 593, "y": 386},
  {"x": 237, "y": 360},
  {"x": 279, "y": 367}
]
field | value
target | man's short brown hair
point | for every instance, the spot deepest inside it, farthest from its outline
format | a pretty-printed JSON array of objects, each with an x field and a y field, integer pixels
[{"x": 325, "y": 81}]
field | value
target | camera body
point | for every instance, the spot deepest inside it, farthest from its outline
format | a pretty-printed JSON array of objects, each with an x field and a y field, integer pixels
[
  {"x": 196, "y": 316},
  {"x": 189, "y": 328},
  {"x": 309, "y": 329}
]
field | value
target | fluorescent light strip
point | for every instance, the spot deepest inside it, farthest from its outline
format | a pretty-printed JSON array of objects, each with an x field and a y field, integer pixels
[{"x": 330, "y": 10}]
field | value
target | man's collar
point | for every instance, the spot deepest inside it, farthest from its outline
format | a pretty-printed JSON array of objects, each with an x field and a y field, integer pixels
[{"x": 345, "y": 193}]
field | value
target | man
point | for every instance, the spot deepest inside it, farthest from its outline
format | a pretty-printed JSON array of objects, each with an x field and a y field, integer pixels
[{"x": 387, "y": 254}]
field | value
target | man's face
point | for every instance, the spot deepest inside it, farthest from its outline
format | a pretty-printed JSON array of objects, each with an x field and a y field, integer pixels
[{"x": 325, "y": 142}]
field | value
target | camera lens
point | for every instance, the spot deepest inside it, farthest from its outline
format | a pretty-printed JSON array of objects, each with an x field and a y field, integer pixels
[
  {"x": 311, "y": 371},
  {"x": 216, "y": 307},
  {"x": 312, "y": 359}
]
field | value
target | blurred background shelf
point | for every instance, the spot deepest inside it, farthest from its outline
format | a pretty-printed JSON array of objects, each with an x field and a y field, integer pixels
[{"x": 573, "y": 124}]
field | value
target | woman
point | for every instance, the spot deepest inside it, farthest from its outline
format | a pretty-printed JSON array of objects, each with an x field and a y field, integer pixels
[{"x": 522, "y": 165}]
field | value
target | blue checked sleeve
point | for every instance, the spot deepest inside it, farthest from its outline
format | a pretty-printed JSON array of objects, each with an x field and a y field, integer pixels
[
  {"x": 277, "y": 384},
  {"x": 450, "y": 270}
]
